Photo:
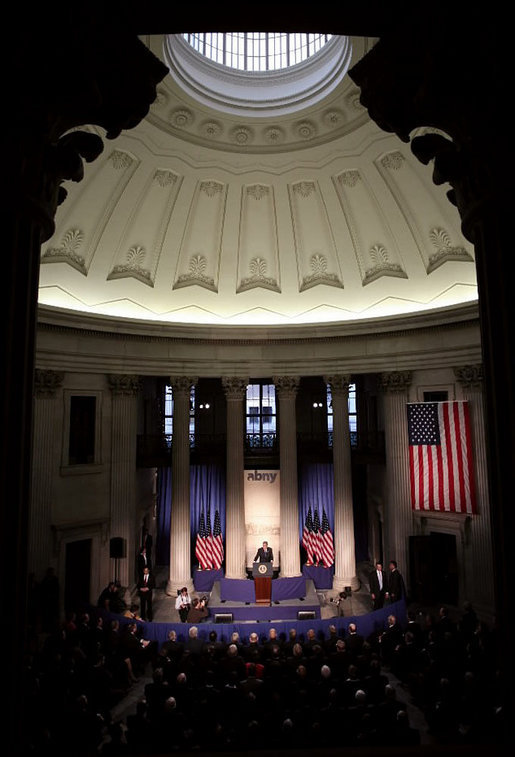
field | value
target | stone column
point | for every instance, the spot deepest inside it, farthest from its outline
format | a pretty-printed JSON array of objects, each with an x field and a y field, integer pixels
[
  {"x": 124, "y": 390},
  {"x": 344, "y": 541},
  {"x": 235, "y": 534},
  {"x": 479, "y": 581},
  {"x": 398, "y": 515},
  {"x": 47, "y": 431},
  {"x": 286, "y": 387},
  {"x": 180, "y": 528}
]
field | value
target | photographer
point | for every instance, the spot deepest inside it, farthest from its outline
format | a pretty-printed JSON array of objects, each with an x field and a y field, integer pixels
[
  {"x": 338, "y": 602},
  {"x": 198, "y": 611}
]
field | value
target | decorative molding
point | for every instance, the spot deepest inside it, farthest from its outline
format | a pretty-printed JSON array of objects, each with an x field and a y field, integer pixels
[
  {"x": 303, "y": 188},
  {"x": 286, "y": 386},
  {"x": 258, "y": 278},
  {"x": 234, "y": 387},
  {"x": 66, "y": 252},
  {"x": 165, "y": 178},
  {"x": 445, "y": 250},
  {"x": 274, "y": 135},
  {"x": 211, "y": 129},
  {"x": 318, "y": 263},
  {"x": 382, "y": 265},
  {"x": 211, "y": 188},
  {"x": 181, "y": 118},
  {"x": 47, "y": 382},
  {"x": 120, "y": 159},
  {"x": 470, "y": 376},
  {"x": 182, "y": 384},
  {"x": 133, "y": 266},
  {"x": 196, "y": 275},
  {"x": 306, "y": 129},
  {"x": 349, "y": 178},
  {"x": 393, "y": 160},
  {"x": 339, "y": 384},
  {"x": 242, "y": 135},
  {"x": 333, "y": 118},
  {"x": 124, "y": 385},
  {"x": 257, "y": 191},
  {"x": 396, "y": 381}
]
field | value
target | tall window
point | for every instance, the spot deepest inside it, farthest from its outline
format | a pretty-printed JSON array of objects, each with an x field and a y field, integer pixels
[
  {"x": 168, "y": 412},
  {"x": 261, "y": 415},
  {"x": 353, "y": 414},
  {"x": 81, "y": 448}
]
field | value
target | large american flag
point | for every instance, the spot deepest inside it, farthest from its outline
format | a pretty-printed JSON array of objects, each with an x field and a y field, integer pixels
[
  {"x": 440, "y": 457},
  {"x": 316, "y": 539},
  {"x": 217, "y": 543},
  {"x": 307, "y": 536},
  {"x": 203, "y": 551},
  {"x": 327, "y": 541}
]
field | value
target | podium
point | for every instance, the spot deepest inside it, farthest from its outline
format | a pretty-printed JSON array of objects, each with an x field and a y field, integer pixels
[{"x": 262, "y": 573}]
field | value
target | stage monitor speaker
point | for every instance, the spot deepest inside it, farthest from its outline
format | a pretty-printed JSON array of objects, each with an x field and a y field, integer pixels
[
  {"x": 223, "y": 617},
  {"x": 117, "y": 547},
  {"x": 306, "y": 615}
]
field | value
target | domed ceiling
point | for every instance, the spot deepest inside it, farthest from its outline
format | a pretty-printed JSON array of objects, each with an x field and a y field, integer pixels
[{"x": 256, "y": 210}]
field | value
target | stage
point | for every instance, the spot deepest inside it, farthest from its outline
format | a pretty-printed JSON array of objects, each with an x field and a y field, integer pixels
[{"x": 306, "y": 606}]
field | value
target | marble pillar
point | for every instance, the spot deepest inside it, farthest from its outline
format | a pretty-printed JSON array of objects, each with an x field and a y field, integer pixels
[
  {"x": 235, "y": 559},
  {"x": 344, "y": 541},
  {"x": 47, "y": 431},
  {"x": 180, "y": 528},
  {"x": 479, "y": 579},
  {"x": 124, "y": 391},
  {"x": 398, "y": 516},
  {"x": 286, "y": 388}
]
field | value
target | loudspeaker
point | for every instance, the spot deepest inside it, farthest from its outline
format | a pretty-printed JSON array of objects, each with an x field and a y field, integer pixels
[
  {"x": 223, "y": 617},
  {"x": 117, "y": 547},
  {"x": 306, "y": 615}
]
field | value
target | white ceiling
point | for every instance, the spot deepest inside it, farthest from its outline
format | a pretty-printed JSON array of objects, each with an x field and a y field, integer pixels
[{"x": 208, "y": 217}]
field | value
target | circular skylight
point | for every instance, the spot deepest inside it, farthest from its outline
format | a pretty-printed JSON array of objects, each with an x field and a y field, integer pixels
[
  {"x": 255, "y": 73},
  {"x": 257, "y": 51}
]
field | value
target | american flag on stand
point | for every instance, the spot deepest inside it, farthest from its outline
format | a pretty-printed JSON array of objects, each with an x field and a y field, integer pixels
[
  {"x": 316, "y": 539},
  {"x": 440, "y": 457},
  {"x": 307, "y": 536},
  {"x": 202, "y": 546},
  {"x": 209, "y": 540},
  {"x": 217, "y": 543},
  {"x": 327, "y": 542}
]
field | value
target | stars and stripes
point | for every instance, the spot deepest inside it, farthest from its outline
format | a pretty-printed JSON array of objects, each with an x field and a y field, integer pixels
[
  {"x": 203, "y": 551},
  {"x": 316, "y": 539},
  {"x": 440, "y": 457},
  {"x": 327, "y": 541},
  {"x": 306, "y": 537},
  {"x": 217, "y": 543}
]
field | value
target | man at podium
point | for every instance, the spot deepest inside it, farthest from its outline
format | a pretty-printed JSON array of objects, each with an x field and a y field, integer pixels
[{"x": 264, "y": 554}]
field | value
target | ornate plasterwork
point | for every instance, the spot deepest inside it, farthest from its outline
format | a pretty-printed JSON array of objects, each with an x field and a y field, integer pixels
[
  {"x": 396, "y": 381},
  {"x": 383, "y": 266},
  {"x": 124, "y": 385},
  {"x": 196, "y": 274},
  {"x": 445, "y": 250},
  {"x": 47, "y": 382},
  {"x": 470, "y": 376},
  {"x": 133, "y": 266},
  {"x": 67, "y": 251}
]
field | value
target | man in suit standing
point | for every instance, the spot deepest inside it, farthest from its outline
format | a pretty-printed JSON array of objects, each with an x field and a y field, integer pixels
[
  {"x": 377, "y": 582},
  {"x": 146, "y": 586},
  {"x": 264, "y": 554},
  {"x": 395, "y": 588}
]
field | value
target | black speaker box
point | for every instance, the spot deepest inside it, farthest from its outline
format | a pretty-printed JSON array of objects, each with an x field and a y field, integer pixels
[
  {"x": 223, "y": 617},
  {"x": 117, "y": 547},
  {"x": 306, "y": 615}
]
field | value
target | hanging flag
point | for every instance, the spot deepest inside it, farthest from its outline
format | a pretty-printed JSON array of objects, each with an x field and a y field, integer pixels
[
  {"x": 307, "y": 536},
  {"x": 202, "y": 548},
  {"x": 327, "y": 542},
  {"x": 316, "y": 543},
  {"x": 440, "y": 457},
  {"x": 209, "y": 539},
  {"x": 217, "y": 542}
]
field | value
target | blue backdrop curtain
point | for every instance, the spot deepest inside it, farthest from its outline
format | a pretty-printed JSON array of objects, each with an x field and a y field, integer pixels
[
  {"x": 207, "y": 491},
  {"x": 316, "y": 490}
]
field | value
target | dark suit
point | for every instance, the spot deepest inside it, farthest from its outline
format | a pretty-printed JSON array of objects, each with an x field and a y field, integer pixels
[
  {"x": 395, "y": 586},
  {"x": 145, "y": 591},
  {"x": 263, "y": 555},
  {"x": 377, "y": 590}
]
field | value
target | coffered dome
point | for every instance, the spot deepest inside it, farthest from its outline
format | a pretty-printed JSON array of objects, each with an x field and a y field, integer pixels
[{"x": 213, "y": 212}]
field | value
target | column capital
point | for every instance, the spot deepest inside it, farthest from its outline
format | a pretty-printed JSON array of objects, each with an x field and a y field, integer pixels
[
  {"x": 396, "y": 381},
  {"x": 339, "y": 384},
  {"x": 286, "y": 386},
  {"x": 124, "y": 385},
  {"x": 47, "y": 382},
  {"x": 235, "y": 387},
  {"x": 470, "y": 376},
  {"x": 182, "y": 383}
]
